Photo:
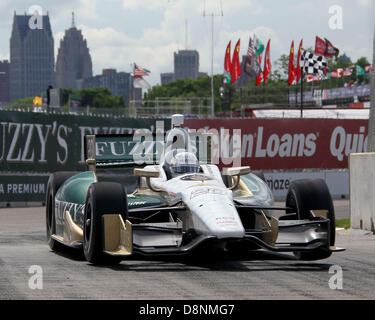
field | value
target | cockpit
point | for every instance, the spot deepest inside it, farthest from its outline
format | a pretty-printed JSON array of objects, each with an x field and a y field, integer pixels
[{"x": 178, "y": 162}]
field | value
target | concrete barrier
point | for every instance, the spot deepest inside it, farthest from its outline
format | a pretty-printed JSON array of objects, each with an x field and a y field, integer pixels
[{"x": 362, "y": 190}]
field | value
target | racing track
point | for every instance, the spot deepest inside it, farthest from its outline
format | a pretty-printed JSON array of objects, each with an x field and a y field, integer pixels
[{"x": 259, "y": 275}]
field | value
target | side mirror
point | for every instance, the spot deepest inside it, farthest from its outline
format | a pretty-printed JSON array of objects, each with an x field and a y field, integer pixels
[
  {"x": 236, "y": 173},
  {"x": 148, "y": 174}
]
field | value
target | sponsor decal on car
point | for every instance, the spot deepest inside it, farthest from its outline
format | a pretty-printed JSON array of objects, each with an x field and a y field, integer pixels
[{"x": 204, "y": 191}]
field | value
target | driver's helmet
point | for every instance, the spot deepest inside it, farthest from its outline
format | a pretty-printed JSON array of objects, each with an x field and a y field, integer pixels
[{"x": 184, "y": 162}]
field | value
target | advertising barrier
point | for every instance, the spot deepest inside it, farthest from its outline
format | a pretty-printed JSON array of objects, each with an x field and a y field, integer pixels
[
  {"x": 285, "y": 144},
  {"x": 40, "y": 142},
  {"x": 337, "y": 182},
  {"x": 33, "y": 145},
  {"x": 23, "y": 188}
]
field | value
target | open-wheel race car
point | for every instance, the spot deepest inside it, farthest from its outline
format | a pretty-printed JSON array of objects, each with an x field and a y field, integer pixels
[{"x": 173, "y": 206}]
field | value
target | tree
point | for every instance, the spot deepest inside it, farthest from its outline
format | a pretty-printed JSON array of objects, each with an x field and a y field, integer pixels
[
  {"x": 342, "y": 62},
  {"x": 187, "y": 88},
  {"x": 23, "y": 102},
  {"x": 362, "y": 61}
]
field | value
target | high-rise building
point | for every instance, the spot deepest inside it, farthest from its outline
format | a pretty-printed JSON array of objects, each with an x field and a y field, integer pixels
[
  {"x": 31, "y": 57},
  {"x": 186, "y": 64},
  {"x": 73, "y": 62},
  {"x": 166, "y": 77},
  {"x": 4, "y": 81},
  {"x": 118, "y": 83}
]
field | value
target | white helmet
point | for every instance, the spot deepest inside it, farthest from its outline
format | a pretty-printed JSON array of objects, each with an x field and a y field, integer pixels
[{"x": 184, "y": 162}]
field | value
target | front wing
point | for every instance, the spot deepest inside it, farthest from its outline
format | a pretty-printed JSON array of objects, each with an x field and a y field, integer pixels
[{"x": 122, "y": 238}]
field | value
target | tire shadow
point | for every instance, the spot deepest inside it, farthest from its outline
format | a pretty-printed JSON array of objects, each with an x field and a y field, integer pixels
[{"x": 259, "y": 260}]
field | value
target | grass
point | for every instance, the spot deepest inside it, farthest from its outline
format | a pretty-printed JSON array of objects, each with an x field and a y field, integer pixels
[{"x": 343, "y": 223}]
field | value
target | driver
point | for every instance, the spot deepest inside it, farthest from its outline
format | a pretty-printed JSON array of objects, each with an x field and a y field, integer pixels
[{"x": 181, "y": 163}]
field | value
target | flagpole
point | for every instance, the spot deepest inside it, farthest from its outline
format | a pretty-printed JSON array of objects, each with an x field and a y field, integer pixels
[
  {"x": 212, "y": 55},
  {"x": 212, "y": 67},
  {"x": 302, "y": 91},
  {"x": 129, "y": 86}
]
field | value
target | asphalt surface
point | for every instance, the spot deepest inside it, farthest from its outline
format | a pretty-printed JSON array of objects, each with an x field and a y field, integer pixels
[{"x": 260, "y": 275}]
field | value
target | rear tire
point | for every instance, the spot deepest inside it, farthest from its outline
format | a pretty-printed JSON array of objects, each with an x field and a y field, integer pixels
[
  {"x": 259, "y": 174},
  {"x": 102, "y": 198},
  {"x": 54, "y": 183},
  {"x": 311, "y": 194}
]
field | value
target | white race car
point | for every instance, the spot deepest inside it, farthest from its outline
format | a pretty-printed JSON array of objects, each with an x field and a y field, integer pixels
[{"x": 116, "y": 208}]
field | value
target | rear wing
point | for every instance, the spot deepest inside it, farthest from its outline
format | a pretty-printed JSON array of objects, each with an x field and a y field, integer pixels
[{"x": 115, "y": 150}]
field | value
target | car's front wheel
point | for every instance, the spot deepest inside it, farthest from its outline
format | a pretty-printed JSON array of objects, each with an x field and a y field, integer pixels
[
  {"x": 54, "y": 182},
  {"x": 312, "y": 194},
  {"x": 102, "y": 198}
]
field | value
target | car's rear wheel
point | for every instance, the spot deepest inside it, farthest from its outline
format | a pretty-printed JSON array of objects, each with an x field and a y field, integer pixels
[
  {"x": 311, "y": 194},
  {"x": 259, "y": 174},
  {"x": 54, "y": 182},
  {"x": 102, "y": 198}
]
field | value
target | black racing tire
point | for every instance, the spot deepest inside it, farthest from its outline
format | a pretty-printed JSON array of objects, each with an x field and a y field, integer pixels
[
  {"x": 54, "y": 183},
  {"x": 259, "y": 174},
  {"x": 311, "y": 194},
  {"x": 102, "y": 198}
]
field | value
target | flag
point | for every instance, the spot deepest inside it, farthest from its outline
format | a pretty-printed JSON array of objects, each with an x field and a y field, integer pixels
[
  {"x": 309, "y": 78},
  {"x": 292, "y": 69},
  {"x": 368, "y": 68},
  {"x": 331, "y": 51},
  {"x": 312, "y": 64},
  {"x": 267, "y": 63},
  {"x": 236, "y": 65},
  {"x": 139, "y": 82},
  {"x": 298, "y": 61},
  {"x": 320, "y": 46},
  {"x": 334, "y": 74},
  {"x": 340, "y": 72},
  {"x": 360, "y": 71},
  {"x": 325, "y": 48},
  {"x": 227, "y": 65},
  {"x": 259, "y": 76},
  {"x": 259, "y": 46},
  {"x": 316, "y": 77},
  {"x": 251, "y": 48},
  {"x": 139, "y": 72},
  {"x": 347, "y": 72}
]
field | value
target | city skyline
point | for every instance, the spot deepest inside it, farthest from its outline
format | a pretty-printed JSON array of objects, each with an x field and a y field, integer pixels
[{"x": 148, "y": 32}]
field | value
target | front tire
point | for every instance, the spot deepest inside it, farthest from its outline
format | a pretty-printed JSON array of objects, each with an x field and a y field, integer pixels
[
  {"x": 54, "y": 183},
  {"x": 312, "y": 194},
  {"x": 102, "y": 198}
]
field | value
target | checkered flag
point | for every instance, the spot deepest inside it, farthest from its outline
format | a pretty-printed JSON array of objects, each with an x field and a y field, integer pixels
[{"x": 312, "y": 64}]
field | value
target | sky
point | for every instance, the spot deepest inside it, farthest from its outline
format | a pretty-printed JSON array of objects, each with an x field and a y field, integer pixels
[{"x": 148, "y": 32}]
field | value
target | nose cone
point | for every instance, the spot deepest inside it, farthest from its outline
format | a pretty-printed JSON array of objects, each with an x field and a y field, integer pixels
[{"x": 218, "y": 216}]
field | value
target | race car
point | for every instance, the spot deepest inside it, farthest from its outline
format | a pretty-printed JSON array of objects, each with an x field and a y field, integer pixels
[{"x": 179, "y": 203}]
